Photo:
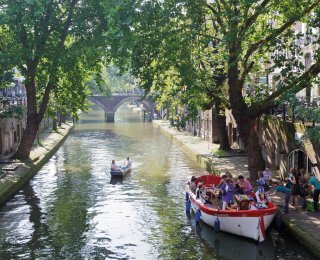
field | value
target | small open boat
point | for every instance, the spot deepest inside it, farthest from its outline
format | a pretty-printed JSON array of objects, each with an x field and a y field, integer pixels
[
  {"x": 247, "y": 219},
  {"x": 120, "y": 172}
]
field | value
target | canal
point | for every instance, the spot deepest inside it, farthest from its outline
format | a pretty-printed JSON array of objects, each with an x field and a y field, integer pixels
[{"x": 72, "y": 209}]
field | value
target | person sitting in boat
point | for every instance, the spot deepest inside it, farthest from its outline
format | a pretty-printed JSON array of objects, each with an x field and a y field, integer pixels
[
  {"x": 267, "y": 175},
  {"x": 114, "y": 166},
  {"x": 201, "y": 194},
  {"x": 227, "y": 193},
  {"x": 229, "y": 175},
  {"x": 260, "y": 196},
  {"x": 192, "y": 184},
  {"x": 199, "y": 190},
  {"x": 244, "y": 186},
  {"x": 128, "y": 163},
  {"x": 222, "y": 181}
]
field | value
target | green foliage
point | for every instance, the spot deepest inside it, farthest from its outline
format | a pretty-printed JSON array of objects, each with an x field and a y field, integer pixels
[
  {"x": 218, "y": 152},
  {"x": 313, "y": 134},
  {"x": 111, "y": 80},
  {"x": 6, "y": 78},
  {"x": 12, "y": 112},
  {"x": 55, "y": 44}
]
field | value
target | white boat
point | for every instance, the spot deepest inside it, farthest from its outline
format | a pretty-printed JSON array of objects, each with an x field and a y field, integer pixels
[
  {"x": 120, "y": 172},
  {"x": 247, "y": 219}
]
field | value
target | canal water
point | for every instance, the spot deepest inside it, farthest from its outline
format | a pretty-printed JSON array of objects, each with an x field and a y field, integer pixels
[{"x": 72, "y": 209}]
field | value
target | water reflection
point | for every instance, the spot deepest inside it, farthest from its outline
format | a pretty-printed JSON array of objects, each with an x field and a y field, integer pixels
[{"x": 73, "y": 209}]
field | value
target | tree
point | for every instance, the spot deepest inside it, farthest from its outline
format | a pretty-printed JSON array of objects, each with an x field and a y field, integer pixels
[
  {"x": 243, "y": 35},
  {"x": 111, "y": 80},
  {"x": 176, "y": 66},
  {"x": 250, "y": 30},
  {"x": 48, "y": 38}
]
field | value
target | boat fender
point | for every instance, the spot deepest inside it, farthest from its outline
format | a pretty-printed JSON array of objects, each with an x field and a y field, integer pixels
[
  {"x": 216, "y": 225},
  {"x": 198, "y": 215},
  {"x": 187, "y": 196},
  {"x": 188, "y": 205}
]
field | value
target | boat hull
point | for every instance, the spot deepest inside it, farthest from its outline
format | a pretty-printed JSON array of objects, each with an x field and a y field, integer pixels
[
  {"x": 120, "y": 172},
  {"x": 247, "y": 223}
]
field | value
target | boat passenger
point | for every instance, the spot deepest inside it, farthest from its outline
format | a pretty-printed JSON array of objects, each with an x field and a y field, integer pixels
[
  {"x": 192, "y": 184},
  {"x": 261, "y": 184},
  {"x": 222, "y": 181},
  {"x": 114, "y": 166},
  {"x": 244, "y": 186},
  {"x": 128, "y": 163},
  {"x": 199, "y": 190},
  {"x": 227, "y": 193},
  {"x": 229, "y": 175},
  {"x": 267, "y": 175}
]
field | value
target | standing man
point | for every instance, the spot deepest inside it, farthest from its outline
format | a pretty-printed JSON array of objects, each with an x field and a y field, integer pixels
[
  {"x": 316, "y": 185},
  {"x": 287, "y": 192}
]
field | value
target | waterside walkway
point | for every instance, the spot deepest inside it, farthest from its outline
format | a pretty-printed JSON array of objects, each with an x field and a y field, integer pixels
[
  {"x": 15, "y": 174},
  {"x": 304, "y": 226}
]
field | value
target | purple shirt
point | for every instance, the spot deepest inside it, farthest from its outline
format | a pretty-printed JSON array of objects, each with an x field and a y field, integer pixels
[{"x": 228, "y": 191}]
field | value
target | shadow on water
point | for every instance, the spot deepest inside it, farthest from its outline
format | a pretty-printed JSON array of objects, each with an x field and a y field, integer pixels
[{"x": 117, "y": 180}]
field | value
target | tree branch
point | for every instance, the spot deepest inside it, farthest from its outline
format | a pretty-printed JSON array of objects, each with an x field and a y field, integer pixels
[
  {"x": 67, "y": 24},
  {"x": 257, "y": 109},
  {"x": 217, "y": 16},
  {"x": 277, "y": 32},
  {"x": 251, "y": 20}
]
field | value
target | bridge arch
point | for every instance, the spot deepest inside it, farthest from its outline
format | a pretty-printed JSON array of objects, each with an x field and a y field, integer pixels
[{"x": 112, "y": 103}]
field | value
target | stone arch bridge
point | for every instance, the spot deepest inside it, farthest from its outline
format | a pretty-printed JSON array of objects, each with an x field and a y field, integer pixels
[{"x": 112, "y": 103}]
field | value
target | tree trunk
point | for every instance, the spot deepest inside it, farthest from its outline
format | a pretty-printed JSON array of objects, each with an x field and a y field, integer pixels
[
  {"x": 248, "y": 134},
  {"x": 246, "y": 125},
  {"x": 224, "y": 140},
  {"x": 221, "y": 122},
  {"x": 59, "y": 119},
  {"x": 34, "y": 118},
  {"x": 32, "y": 125},
  {"x": 55, "y": 122}
]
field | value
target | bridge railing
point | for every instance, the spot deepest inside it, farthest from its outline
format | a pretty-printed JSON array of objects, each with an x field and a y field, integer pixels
[{"x": 129, "y": 92}]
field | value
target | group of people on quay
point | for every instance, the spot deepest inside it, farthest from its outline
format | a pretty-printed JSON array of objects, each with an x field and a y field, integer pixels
[
  {"x": 297, "y": 185},
  {"x": 300, "y": 186}
]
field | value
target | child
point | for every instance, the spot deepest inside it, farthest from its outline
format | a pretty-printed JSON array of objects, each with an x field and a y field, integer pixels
[
  {"x": 261, "y": 183},
  {"x": 281, "y": 188}
]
